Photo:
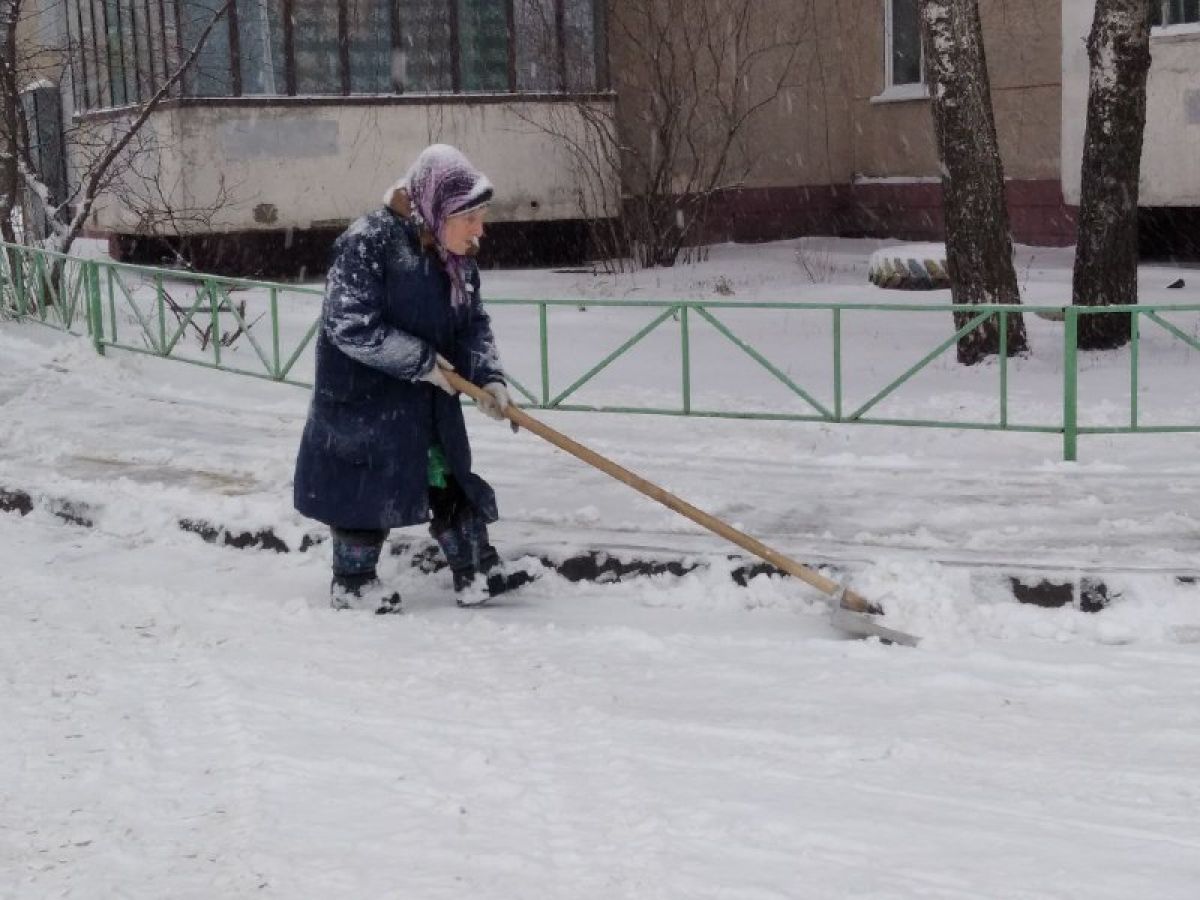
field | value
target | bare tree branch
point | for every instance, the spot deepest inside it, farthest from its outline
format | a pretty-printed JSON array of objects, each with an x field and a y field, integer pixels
[{"x": 99, "y": 171}]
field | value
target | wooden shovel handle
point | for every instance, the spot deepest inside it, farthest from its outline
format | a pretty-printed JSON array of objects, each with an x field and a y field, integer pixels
[{"x": 513, "y": 413}]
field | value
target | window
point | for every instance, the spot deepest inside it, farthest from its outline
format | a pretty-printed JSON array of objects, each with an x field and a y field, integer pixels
[
  {"x": 579, "y": 45},
  {"x": 483, "y": 42},
  {"x": 114, "y": 52},
  {"x": 424, "y": 62},
  {"x": 1174, "y": 12},
  {"x": 556, "y": 45},
  {"x": 536, "y": 25},
  {"x": 903, "y": 39},
  {"x": 42, "y": 105},
  {"x": 369, "y": 43},
  {"x": 260, "y": 47},
  {"x": 124, "y": 50},
  {"x": 85, "y": 67},
  {"x": 211, "y": 75},
  {"x": 315, "y": 47}
]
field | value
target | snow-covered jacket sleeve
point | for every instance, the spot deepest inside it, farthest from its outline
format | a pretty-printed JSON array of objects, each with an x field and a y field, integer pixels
[
  {"x": 352, "y": 315},
  {"x": 479, "y": 341}
]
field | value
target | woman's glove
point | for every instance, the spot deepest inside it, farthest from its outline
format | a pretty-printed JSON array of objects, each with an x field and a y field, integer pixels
[
  {"x": 495, "y": 402},
  {"x": 434, "y": 375}
]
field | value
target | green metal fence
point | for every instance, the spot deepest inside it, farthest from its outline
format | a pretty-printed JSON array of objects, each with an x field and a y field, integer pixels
[
  {"x": 155, "y": 311},
  {"x": 198, "y": 318}
]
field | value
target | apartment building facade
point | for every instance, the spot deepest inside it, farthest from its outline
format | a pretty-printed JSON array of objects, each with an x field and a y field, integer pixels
[{"x": 299, "y": 112}]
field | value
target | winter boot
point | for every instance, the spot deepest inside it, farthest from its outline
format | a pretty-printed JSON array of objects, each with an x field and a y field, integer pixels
[
  {"x": 355, "y": 584},
  {"x": 497, "y": 580},
  {"x": 362, "y": 591},
  {"x": 500, "y": 581},
  {"x": 468, "y": 590},
  {"x": 474, "y": 588}
]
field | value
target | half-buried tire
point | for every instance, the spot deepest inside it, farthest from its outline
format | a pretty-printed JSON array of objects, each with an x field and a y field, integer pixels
[{"x": 910, "y": 267}]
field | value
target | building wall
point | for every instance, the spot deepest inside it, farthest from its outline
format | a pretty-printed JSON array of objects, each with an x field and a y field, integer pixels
[
  {"x": 829, "y": 155},
  {"x": 312, "y": 165},
  {"x": 1170, "y": 175},
  {"x": 831, "y": 124},
  {"x": 804, "y": 137},
  {"x": 792, "y": 151},
  {"x": 803, "y": 144},
  {"x": 833, "y": 155},
  {"x": 1022, "y": 42},
  {"x": 894, "y": 182}
]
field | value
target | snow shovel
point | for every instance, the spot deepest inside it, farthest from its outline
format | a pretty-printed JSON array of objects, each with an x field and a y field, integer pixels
[{"x": 851, "y": 612}]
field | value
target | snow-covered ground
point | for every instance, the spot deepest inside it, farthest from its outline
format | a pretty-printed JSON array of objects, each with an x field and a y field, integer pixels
[{"x": 190, "y": 721}]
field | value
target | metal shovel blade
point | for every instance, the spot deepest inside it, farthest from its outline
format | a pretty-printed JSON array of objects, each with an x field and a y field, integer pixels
[{"x": 865, "y": 624}]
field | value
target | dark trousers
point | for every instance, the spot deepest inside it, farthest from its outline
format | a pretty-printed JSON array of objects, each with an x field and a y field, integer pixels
[
  {"x": 460, "y": 532},
  {"x": 356, "y": 551},
  {"x": 456, "y": 526}
]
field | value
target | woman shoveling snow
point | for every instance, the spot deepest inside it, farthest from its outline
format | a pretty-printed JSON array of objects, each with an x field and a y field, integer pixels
[{"x": 385, "y": 444}]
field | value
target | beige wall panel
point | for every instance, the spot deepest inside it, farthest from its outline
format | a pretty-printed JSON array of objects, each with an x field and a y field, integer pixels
[
  {"x": 1171, "y": 149},
  {"x": 1022, "y": 39},
  {"x": 894, "y": 140},
  {"x": 1022, "y": 42},
  {"x": 1027, "y": 126},
  {"x": 803, "y": 136},
  {"x": 324, "y": 164}
]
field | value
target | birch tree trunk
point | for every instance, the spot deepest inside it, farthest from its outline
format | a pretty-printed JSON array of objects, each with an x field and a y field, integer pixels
[
  {"x": 978, "y": 243},
  {"x": 1107, "y": 254}
]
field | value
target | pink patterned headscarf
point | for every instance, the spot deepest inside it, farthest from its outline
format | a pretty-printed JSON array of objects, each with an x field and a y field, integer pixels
[{"x": 442, "y": 183}]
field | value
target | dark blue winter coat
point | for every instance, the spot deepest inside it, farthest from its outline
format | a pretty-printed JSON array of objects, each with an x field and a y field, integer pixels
[{"x": 363, "y": 460}]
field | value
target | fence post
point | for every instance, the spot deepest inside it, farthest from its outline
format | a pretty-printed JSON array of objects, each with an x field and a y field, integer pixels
[
  {"x": 276, "y": 371},
  {"x": 1070, "y": 383},
  {"x": 17, "y": 274},
  {"x": 91, "y": 284},
  {"x": 214, "y": 305},
  {"x": 1003, "y": 368},
  {"x": 685, "y": 356},
  {"x": 1134, "y": 340},
  {"x": 837, "y": 364},
  {"x": 8, "y": 287},
  {"x": 544, "y": 348}
]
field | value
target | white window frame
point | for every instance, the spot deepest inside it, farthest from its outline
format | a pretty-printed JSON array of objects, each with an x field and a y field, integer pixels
[
  {"x": 1183, "y": 31},
  {"x": 892, "y": 92}
]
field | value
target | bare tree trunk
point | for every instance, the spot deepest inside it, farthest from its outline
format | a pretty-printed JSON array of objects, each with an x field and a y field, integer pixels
[
  {"x": 10, "y": 178},
  {"x": 978, "y": 244},
  {"x": 95, "y": 179},
  {"x": 1107, "y": 255}
]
